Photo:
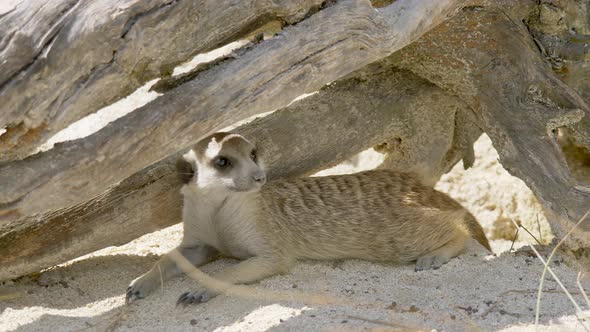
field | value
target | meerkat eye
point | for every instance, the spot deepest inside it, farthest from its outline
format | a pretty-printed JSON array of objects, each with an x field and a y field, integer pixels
[
  {"x": 221, "y": 162},
  {"x": 253, "y": 155}
]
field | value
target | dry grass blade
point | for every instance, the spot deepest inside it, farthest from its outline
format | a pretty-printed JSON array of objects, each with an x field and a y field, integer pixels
[
  {"x": 514, "y": 239},
  {"x": 556, "y": 278},
  {"x": 161, "y": 277},
  {"x": 569, "y": 295},
  {"x": 539, "y": 228},
  {"x": 10, "y": 296},
  {"x": 531, "y": 234},
  {"x": 546, "y": 268},
  {"x": 580, "y": 274}
]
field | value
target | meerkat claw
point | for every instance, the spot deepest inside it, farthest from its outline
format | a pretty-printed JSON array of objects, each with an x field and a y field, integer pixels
[
  {"x": 132, "y": 295},
  {"x": 193, "y": 297}
]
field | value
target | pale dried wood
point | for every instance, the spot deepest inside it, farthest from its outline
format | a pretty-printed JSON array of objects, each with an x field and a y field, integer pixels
[
  {"x": 497, "y": 69},
  {"x": 376, "y": 105},
  {"x": 300, "y": 60},
  {"x": 61, "y": 60}
]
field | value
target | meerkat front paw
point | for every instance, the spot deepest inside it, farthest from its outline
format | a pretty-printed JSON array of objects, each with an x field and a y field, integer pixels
[
  {"x": 430, "y": 263},
  {"x": 195, "y": 297},
  {"x": 140, "y": 288}
]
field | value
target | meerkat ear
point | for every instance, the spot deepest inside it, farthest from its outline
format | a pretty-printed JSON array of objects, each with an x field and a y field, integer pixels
[{"x": 186, "y": 167}]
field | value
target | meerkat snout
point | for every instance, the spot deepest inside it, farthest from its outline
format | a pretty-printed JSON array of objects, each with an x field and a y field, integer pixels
[
  {"x": 223, "y": 161},
  {"x": 260, "y": 177}
]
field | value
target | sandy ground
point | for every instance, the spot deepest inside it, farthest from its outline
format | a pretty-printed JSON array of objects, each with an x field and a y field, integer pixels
[{"x": 476, "y": 291}]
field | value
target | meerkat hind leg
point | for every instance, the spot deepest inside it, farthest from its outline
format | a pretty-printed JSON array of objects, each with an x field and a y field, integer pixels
[
  {"x": 436, "y": 258},
  {"x": 167, "y": 268},
  {"x": 245, "y": 272}
]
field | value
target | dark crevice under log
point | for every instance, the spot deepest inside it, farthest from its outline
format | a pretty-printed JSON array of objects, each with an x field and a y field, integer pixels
[
  {"x": 268, "y": 77},
  {"x": 492, "y": 63},
  {"x": 339, "y": 121}
]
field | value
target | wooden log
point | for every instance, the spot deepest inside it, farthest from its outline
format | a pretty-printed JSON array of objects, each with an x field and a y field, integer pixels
[
  {"x": 61, "y": 60},
  {"x": 561, "y": 31},
  {"x": 342, "y": 119},
  {"x": 300, "y": 60},
  {"x": 498, "y": 70}
]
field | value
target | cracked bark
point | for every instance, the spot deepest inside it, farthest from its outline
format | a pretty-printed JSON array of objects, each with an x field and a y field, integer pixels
[{"x": 19, "y": 54}]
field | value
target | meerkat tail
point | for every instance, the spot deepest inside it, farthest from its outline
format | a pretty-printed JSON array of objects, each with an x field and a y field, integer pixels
[
  {"x": 476, "y": 230},
  {"x": 467, "y": 221}
]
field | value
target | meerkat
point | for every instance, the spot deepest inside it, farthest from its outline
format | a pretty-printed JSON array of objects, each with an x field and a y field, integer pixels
[{"x": 229, "y": 209}]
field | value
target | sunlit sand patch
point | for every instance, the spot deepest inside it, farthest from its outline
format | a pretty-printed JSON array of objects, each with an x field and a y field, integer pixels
[
  {"x": 14, "y": 318},
  {"x": 96, "y": 121},
  {"x": 209, "y": 56},
  {"x": 263, "y": 319}
]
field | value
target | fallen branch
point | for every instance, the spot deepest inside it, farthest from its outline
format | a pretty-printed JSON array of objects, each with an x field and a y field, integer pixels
[
  {"x": 52, "y": 72},
  {"x": 300, "y": 60}
]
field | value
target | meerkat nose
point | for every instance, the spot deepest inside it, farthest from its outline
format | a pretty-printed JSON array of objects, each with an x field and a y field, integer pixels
[{"x": 260, "y": 177}]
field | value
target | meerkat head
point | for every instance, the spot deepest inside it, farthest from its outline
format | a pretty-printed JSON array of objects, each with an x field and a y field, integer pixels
[{"x": 223, "y": 161}]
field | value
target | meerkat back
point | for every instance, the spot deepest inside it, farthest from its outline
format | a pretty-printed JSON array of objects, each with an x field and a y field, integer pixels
[{"x": 377, "y": 215}]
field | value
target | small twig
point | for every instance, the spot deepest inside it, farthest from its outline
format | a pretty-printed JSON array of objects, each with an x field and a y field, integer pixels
[
  {"x": 539, "y": 228},
  {"x": 385, "y": 323},
  {"x": 10, "y": 296},
  {"x": 161, "y": 277},
  {"x": 514, "y": 239},
  {"x": 531, "y": 234}
]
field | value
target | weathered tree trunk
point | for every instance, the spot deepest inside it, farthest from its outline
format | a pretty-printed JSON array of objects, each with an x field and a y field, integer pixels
[
  {"x": 267, "y": 77},
  {"x": 498, "y": 71},
  {"x": 342, "y": 119},
  {"x": 65, "y": 59}
]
